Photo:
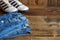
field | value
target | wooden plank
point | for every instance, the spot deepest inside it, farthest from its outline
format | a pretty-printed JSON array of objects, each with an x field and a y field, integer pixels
[
  {"x": 42, "y": 3},
  {"x": 32, "y": 2},
  {"x": 24, "y": 2},
  {"x": 42, "y": 11}
]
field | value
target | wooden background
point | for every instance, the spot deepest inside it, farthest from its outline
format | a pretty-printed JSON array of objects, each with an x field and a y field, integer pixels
[
  {"x": 40, "y": 7},
  {"x": 44, "y": 19}
]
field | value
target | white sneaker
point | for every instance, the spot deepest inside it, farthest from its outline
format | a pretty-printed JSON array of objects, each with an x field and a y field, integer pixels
[
  {"x": 19, "y": 5},
  {"x": 6, "y": 6}
]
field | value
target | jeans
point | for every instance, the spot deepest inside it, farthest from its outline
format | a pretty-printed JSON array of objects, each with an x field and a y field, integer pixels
[{"x": 13, "y": 24}]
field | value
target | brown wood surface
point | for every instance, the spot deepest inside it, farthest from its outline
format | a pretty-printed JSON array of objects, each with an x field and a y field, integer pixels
[{"x": 43, "y": 6}]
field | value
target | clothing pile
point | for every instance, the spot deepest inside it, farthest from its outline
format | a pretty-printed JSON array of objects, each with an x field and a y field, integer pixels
[{"x": 13, "y": 23}]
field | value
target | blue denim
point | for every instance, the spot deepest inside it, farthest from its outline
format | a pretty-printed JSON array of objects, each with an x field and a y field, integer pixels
[{"x": 13, "y": 24}]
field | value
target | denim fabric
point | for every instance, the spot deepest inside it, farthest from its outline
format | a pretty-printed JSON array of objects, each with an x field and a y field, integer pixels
[{"x": 13, "y": 24}]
